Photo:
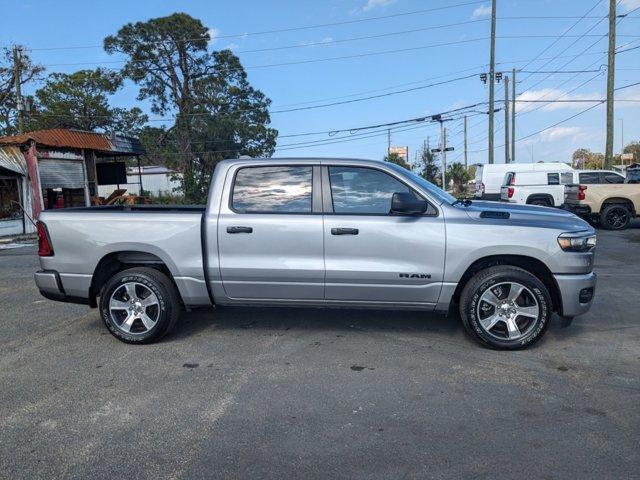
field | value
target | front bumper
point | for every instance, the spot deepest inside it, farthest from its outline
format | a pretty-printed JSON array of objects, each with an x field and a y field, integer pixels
[
  {"x": 576, "y": 293},
  {"x": 50, "y": 286}
]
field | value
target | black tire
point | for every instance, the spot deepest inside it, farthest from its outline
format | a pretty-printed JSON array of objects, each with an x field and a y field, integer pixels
[
  {"x": 493, "y": 278},
  {"x": 615, "y": 216},
  {"x": 168, "y": 304},
  {"x": 540, "y": 202}
]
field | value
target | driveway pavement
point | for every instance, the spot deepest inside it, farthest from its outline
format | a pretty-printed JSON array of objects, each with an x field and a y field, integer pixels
[{"x": 302, "y": 393}]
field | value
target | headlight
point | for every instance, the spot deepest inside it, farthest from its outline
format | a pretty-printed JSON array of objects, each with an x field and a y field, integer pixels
[{"x": 575, "y": 242}]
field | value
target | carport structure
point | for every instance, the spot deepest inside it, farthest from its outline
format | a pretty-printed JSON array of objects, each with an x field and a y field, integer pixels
[{"x": 59, "y": 165}]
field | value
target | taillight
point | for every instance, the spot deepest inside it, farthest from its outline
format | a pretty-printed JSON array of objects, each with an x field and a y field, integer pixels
[
  {"x": 510, "y": 191},
  {"x": 513, "y": 179},
  {"x": 581, "y": 189},
  {"x": 44, "y": 244}
]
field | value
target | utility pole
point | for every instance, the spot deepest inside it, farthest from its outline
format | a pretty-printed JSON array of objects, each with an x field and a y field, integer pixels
[
  {"x": 611, "y": 65},
  {"x": 492, "y": 62},
  {"x": 513, "y": 115},
  {"x": 506, "y": 120},
  {"x": 466, "y": 162},
  {"x": 443, "y": 155},
  {"x": 388, "y": 141},
  {"x": 621, "y": 136},
  {"x": 17, "y": 75}
]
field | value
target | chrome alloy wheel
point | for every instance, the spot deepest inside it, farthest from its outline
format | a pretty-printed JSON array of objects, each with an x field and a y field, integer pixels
[
  {"x": 508, "y": 310},
  {"x": 134, "y": 308}
]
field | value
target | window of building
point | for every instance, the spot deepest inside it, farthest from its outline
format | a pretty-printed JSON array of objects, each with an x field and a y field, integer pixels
[{"x": 9, "y": 199}]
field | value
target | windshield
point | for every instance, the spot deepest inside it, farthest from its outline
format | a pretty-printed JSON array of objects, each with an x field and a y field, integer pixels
[{"x": 434, "y": 190}]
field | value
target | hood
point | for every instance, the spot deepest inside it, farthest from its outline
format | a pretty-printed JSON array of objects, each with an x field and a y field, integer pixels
[{"x": 525, "y": 215}]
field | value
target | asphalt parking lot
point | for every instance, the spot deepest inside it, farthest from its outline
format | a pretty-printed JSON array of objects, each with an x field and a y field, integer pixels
[{"x": 301, "y": 393}]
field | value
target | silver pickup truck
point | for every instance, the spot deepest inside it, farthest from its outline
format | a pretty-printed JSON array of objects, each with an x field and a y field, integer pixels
[{"x": 328, "y": 233}]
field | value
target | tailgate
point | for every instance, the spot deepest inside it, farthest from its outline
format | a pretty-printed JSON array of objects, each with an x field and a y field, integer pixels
[{"x": 571, "y": 193}]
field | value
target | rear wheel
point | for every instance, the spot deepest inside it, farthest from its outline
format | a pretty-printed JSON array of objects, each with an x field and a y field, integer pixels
[
  {"x": 139, "y": 305},
  {"x": 505, "y": 307},
  {"x": 615, "y": 216}
]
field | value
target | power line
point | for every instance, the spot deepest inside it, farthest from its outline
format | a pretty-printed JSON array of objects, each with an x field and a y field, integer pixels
[{"x": 289, "y": 29}]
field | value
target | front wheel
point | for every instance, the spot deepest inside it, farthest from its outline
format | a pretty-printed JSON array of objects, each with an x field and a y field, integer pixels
[
  {"x": 505, "y": 307},
  {"x": 139, "y": 305}
]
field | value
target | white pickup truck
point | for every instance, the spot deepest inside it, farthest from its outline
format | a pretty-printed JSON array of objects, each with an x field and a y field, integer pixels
[{"x": 547, "y": 188}]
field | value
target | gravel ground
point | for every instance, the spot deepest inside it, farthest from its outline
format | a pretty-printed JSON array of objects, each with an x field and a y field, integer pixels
[{"x": 305, "y": 393}]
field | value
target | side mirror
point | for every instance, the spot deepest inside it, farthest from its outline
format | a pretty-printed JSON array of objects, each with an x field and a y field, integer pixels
[{"x": 404, "y": 203}]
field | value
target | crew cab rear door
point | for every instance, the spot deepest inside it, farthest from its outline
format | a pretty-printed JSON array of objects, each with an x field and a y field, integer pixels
[
  {"x": 371, "y": 255},
  {"x": 270, "y": 234}
]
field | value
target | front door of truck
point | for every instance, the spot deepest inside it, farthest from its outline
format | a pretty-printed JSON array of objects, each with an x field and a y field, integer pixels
[
  {"x": 270, "y": 234},
  {"x": 372, "y": 255}
]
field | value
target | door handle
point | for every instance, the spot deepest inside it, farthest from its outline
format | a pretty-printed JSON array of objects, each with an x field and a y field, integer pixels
[
  {"x": 239, "y": 230},
  {"x": 344, "y": 231}
]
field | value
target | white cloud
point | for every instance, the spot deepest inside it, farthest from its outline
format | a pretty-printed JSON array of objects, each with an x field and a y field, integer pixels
[
  {"x": 213, "y": 34},
  {"x": 558, "y": 133},
  {"x": 630, "y": 4},
  {"x": 371, "y": 4},
  {"x": 231, "y": 46},
  {"x": 549, "y": 94},
  {"x": 482, "y": 11}
]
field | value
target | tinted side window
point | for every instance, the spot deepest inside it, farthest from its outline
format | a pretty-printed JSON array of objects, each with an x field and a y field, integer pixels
[
  {"x": 553, "y": 178},
  {"x": 363, "y": 190},
  {"x": 566, "y": 177},
  {"x": 273, "y": 190},
  {"x": 590, "y": 178},
  {"x": 613, "y": 178}
]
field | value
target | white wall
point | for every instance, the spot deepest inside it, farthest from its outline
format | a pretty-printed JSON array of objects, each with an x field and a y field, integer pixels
[{"x": 154, "y": 183}]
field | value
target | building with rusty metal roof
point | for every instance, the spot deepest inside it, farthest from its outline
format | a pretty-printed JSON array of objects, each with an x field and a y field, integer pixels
[{"x": 56, "y": 168}]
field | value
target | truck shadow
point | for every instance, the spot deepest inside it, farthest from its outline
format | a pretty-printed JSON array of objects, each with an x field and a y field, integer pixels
[
  {"x": 314, "y": 319},
  {"x": 337, "y": 321}
]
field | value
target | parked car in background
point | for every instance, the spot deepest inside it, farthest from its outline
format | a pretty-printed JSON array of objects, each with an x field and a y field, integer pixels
[
  {"x": 547, "y": 189},
  {"x": 490, "y": 177},
  {"x": 322, "y": 232},
  {"x": 613, "y": 205}
]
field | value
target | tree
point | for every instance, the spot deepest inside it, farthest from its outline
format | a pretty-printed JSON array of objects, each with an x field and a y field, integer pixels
[
  {"x": 459, "y": 176},
  {"x": 586, "y": 159},
  {"x": 217, "y": 112},
  {"x": 634, "y": 148},
  {"x": 427, "y": 166},
  {"x": 29, "y": 71},
  {"x": 397, "y": 159},
  {"x": 81, "y": 100}
]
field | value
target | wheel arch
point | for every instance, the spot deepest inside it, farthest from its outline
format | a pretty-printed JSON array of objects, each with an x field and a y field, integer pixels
[
  {"x": 541, "y": 196},
  {"x": 530, "y": 264},
  {"x": 619, "y": 201},
  {"x": 115, "y": 262}
]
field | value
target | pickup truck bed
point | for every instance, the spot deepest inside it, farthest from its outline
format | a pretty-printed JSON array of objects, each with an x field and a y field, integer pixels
[{"x": 88, "y": 238}]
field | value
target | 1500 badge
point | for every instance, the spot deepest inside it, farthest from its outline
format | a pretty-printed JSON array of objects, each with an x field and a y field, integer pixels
[{"x": 414, "y": 275}]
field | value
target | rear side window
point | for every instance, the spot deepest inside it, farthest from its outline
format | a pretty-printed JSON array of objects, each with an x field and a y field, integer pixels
[
  {"x": 590, "y": 177},
  {"x": 508, "y": 178},
  {"x": 566, "y": 177},
  {"x": 273, "y": 190},
  {"x": 553, "y": 178},
  {"x": 359, "y": 190},
  {"x": 613, "y": 178}
]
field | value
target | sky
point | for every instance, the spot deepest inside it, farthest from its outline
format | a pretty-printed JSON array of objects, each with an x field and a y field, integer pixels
[{"x": 420, "y": 58}]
